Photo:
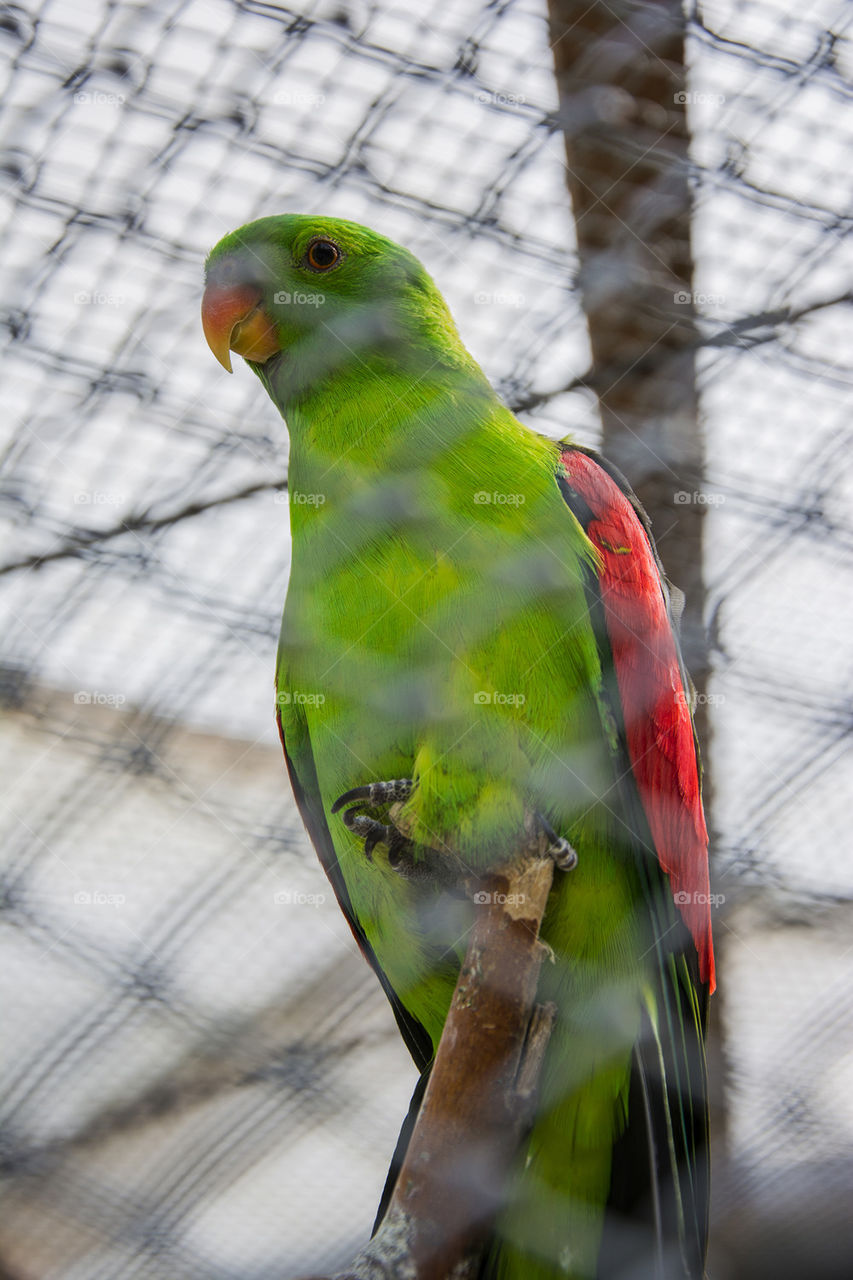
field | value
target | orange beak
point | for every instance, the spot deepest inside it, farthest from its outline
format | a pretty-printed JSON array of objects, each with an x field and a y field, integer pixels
[{"x": 233, "y": 320}]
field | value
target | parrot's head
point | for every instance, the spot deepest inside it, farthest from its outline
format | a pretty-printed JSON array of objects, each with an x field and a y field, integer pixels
[{"x": 301, "y": 297}]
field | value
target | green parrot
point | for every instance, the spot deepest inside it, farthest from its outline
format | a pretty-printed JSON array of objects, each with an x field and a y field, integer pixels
[{"x": 477, "y": 634}]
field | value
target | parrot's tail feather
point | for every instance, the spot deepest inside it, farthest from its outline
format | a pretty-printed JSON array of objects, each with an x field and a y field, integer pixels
[
  {"x": 656, "y": 1218},
  {"x": 402, "y": 1147}
]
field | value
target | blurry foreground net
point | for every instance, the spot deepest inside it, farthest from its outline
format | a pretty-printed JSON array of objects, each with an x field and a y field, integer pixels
[{"x": 201, "y": 1076}]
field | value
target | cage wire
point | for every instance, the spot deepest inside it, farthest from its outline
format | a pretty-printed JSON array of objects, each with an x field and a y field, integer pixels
[{"x": 201, "y": 1076}]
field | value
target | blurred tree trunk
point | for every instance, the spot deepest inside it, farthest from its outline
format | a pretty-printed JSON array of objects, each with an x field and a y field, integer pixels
[
  {"x": 621, "y": 82},
  {"x": 622, "y": 91}
]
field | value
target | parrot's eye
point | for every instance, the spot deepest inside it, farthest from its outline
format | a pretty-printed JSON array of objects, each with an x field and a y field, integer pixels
[{"x": 322, "y": 255}]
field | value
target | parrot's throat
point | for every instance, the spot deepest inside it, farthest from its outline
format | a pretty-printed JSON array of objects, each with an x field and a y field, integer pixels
[{"x": 381, "y": 420}]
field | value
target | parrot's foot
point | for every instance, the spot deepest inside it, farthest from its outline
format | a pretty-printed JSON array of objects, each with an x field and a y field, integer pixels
[
  {"x": 411, "y": 861},
  {"x": 370, "y": 830},
  {"x": 564, "y": 856},
  {"x": 376, "y": 793},
  {"x": 373, "y": 833}
]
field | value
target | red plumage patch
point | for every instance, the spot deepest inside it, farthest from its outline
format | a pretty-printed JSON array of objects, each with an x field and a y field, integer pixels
[{"x": 655, "y": 704}]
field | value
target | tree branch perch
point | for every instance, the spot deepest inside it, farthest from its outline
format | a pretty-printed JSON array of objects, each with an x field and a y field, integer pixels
[{"x": 480, "y": 1101}]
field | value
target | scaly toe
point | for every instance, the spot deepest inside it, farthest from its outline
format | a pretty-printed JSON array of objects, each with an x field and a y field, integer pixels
[
  {"x": 377, "y": 793},
  {"x": 564, "y": 856},
  {"x": 368, "y": 830}
]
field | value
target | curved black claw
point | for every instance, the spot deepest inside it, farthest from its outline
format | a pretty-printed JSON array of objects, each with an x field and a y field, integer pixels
[
  {"x": 564, "y": 856},
  {"x": 368, "y": 830},
  {"x": 377, "y": 793}
]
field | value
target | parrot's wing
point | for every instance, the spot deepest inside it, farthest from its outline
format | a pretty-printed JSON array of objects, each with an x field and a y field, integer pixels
[
  {"x": 306, "y": 790},
  {"x": 660, "y": 1164},
  {"x": 654, "y": 693}
]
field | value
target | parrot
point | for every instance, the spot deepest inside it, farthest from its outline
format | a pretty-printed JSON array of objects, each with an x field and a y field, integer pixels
[{"x": 477, "y": 634}]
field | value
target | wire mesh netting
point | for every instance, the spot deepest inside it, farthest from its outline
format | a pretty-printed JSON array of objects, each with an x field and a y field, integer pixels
[{"x": 202, "y": 1076}]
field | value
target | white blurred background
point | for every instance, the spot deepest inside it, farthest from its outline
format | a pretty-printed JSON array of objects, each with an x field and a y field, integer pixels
[{"x": 201, "y": 1076}]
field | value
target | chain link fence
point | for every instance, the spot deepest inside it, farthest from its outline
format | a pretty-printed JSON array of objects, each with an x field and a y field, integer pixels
[{"x": 202, "y": 1078}]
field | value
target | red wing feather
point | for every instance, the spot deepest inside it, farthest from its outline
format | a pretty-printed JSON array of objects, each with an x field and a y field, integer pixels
[{"x": 655, "y": 703}]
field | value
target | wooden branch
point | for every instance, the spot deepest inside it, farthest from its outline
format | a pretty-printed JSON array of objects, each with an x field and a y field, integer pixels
[{"x": 480, "y": 1101}]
